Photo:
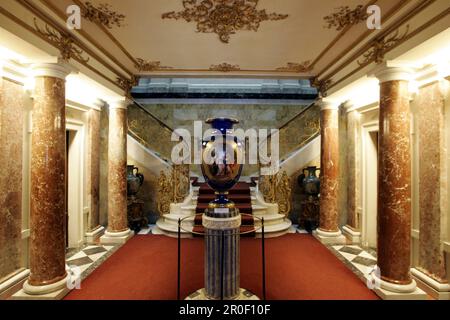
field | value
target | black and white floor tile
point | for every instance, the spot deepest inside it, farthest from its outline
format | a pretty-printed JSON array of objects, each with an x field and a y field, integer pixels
[
  {"x": 361, "y": 261},
  {"x": 89, "y": 258}
]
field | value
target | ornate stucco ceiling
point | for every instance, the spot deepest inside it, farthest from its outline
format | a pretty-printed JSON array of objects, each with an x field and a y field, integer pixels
[{"x": 326, "y": 40}]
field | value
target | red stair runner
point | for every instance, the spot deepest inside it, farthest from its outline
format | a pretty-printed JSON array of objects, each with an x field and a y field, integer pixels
[{"x": 240, "y": 195}]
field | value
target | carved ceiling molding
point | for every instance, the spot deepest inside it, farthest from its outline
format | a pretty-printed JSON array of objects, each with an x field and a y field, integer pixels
[
  {"x": 127, "y": 84},
  {"x": 344, "y": 16},
  {"x": 147, "y": 66},
  {"x": 302, "y": 67},
  {"x": 322, "y": 86},
  {"x": 103, "y": 14},
  {"x": 63, "y": 41},
  {"x": 380, "y": 46},
  {"x": 224, "y": 67},
  {"x": 224, "y": 17}
]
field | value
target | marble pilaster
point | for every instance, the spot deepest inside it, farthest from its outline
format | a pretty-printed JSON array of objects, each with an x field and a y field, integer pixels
[
  {"x": 433, "y": 188},
  {"x": 352, "y": 229},
  {"x": 118, "y": 231},
  {"x": 48, "y": 189},
  {"x": 394, "y": 182},
  {"x": 95, "y": 230},
  {"x": 11, "y": 145},
  {"x": 328, "y": 230}
]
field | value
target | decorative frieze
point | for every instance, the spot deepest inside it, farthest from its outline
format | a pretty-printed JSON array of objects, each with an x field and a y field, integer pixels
[
  {"x": 344, "y": 17},
  {"x": 224, "y": 17},
  {"x": 63, "y": 41},
  {"x": 224, "y": 67},
  {"x": 302, "y": 67},
  {"x": 103, "y": 14}
]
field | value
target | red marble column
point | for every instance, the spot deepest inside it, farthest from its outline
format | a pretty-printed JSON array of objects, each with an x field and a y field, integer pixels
[
  {"x": 118, "y": 231},
  {"x": 328, "y": 230},
  {"x": 48, "y": 174},
  {"x": 394, "y": 182}
]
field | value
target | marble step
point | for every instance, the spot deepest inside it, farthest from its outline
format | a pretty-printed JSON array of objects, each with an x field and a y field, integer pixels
[
  {"x": 173, "y": 227},
  {"x": 270, "y": 219},
  {"x": 173, "y": 217},
  {"x": 275, "y": 230}
]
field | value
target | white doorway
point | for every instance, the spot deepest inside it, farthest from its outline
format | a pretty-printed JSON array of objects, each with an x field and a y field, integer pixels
[
  {"x": 370, "y": 185},
  {"x": 75, "y": 182}
]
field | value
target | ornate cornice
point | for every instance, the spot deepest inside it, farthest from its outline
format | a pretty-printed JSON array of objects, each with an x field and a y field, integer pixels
[
  {"x": 224, "y": 17},
  {"x": 322, "y": 86},
  {"x": 344, "y": 16},
  {"x": 127, "y": 84},
  {"x": 302, "y": 67},
  {"x": 144, "y": 65},
  {"x": 380, "y": 46},
  {"x": 224, "y": 67},
  {"x": 63, "y": 41},
  {"x": 103, "y": 14}
]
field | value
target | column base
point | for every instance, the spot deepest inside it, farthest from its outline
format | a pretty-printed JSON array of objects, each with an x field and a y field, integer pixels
[
  {"x": 391, "y": 291},
  {"x": 54, "y": 291},
  {"x": 13, "y": 284},
  {"x": 353, "y": 236},
  {"x": 329, "y": 237},
  {"x": 200, "y": 295},
  {"x": 93, "y": 236},
  {"x": 436, "y": 289},
  {"x": 116, "y": 237}
]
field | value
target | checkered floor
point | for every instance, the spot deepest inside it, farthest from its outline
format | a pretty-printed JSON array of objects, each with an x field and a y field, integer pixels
[
  {"x": 356, "y": 258},
  {"x": 86, "y": 257}
]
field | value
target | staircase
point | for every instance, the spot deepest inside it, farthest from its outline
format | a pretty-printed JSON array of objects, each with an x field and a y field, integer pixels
[
  {"x": 275, "y": 224},
  {"x": 240, "y": 195}
]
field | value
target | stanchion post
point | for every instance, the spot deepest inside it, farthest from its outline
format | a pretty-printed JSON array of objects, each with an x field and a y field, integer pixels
[
  {"x": 263, "y": 261},
  {"x": 179, "y": 260},
  {"x": 222, "y": 265}
]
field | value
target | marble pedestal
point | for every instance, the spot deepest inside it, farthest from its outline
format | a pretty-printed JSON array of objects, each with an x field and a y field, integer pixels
[
  {"x": 116, "y": 237},
  {"x": 222, "y": 254},
  {"x": 329, "y": 237}
]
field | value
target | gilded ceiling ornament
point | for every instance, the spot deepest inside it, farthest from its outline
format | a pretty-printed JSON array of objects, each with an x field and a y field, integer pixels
[
  {"x": 224, "y": 17},
  {"x": 297, "y": 67},
  {"x": 381, "y": 46},
  {"x": 224, "y": 67},
  {"x": 63, "y": 41},
  {"x": 322, "y": 86},
  {"x": 345, "y": 17},
  {"x": 103, "y": 14},
  {"x": 127, "y": 84},
  {"x": 144, "y": 65}
]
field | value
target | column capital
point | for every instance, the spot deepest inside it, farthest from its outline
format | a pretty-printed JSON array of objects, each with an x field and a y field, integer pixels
[
  {"x": 122, "y": 103},
  {"x": 327, "y": 104},
  {"x": 392, "y": 72},
  {"x": 348, "y": 105},
  {"x": 58, "y": 69},
  {"x": 99, "y": 104}
]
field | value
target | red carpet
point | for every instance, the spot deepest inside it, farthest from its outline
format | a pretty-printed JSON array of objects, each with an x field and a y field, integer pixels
[
  {"x": 298, "y": 268},
  {"x": 239, "y": 194}
]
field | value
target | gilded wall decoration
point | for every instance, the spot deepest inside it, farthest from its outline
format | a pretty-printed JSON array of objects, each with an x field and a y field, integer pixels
[
  {"x": 173, "y": 187},
  {"x": 224, "y": 67},
  {"x": 224, "y": 17},
  {"x": 103, "y": 14},
  {"x": 322, "y": 86},
  {"x": 276, "y": 189},
  {"x": 381, "y": 46},
  {"x": 63, "y": 41},
  {"x": 144, "y": 65},
  {"x": 127, "y": 84},
  {"x": 344, "y": 16},
  {"x": 297, "y": 67},
  {"x": 164, "y": 193},
  {"x": 283, "y": 194}
]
